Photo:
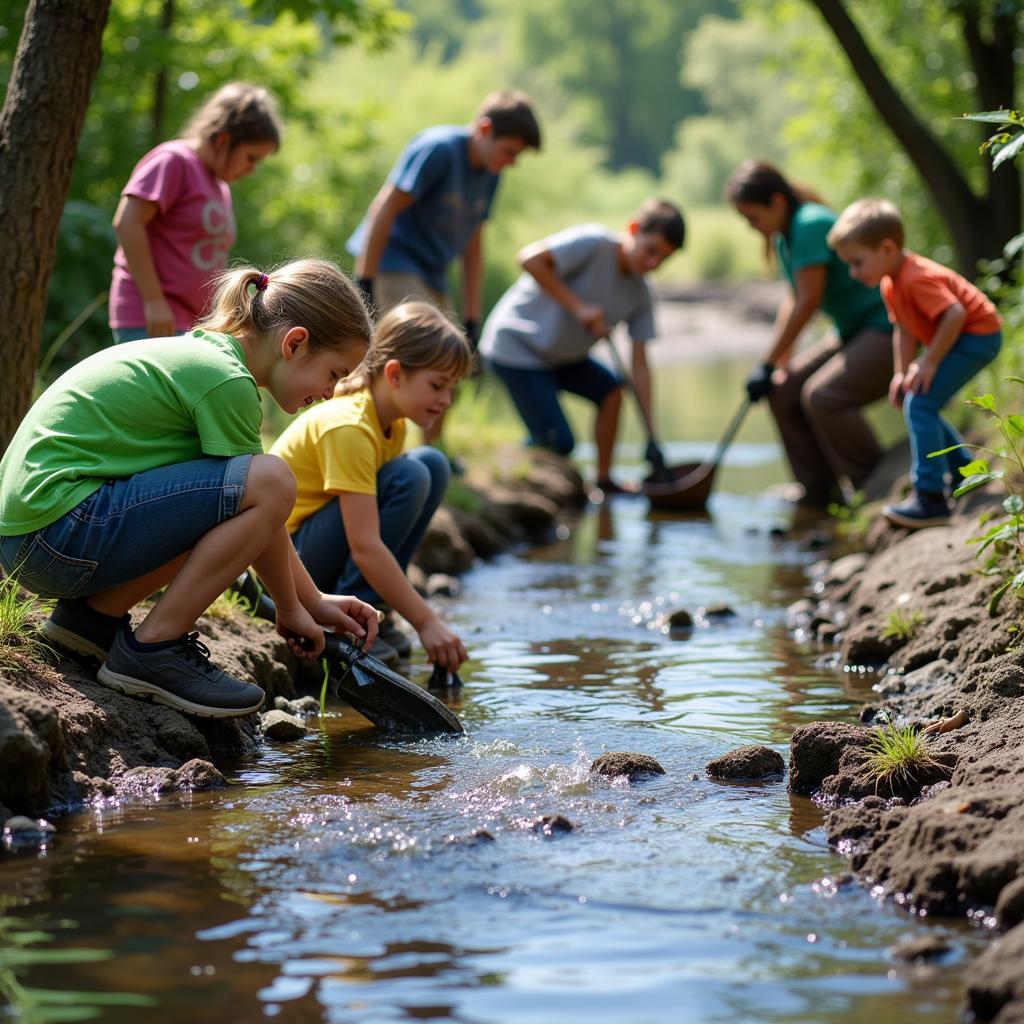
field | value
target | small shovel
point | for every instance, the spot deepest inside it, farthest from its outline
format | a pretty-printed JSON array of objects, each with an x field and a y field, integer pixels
[{"x": 378, "y": 693}]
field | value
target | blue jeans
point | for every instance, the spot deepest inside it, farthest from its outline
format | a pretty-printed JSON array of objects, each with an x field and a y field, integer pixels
[
  {"x": 409, "y": 491},
  {"x": 929, "y": 431},
  {"x": 127, "y": 528},
  {"x": 535, "y": 394},
  {"x": 125, "y": 334}
]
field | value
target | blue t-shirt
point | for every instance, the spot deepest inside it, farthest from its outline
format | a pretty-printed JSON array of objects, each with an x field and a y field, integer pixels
[
  {"x": 450, "y": 201},
  {"x": 851, "y": 306}
]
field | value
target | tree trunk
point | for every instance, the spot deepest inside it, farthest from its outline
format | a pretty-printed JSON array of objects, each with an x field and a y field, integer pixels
[
  {"x": 979, "y": 227},
  {"x": 40, "y": 124}
]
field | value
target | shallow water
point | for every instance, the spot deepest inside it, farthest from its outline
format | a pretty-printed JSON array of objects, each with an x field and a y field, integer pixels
[{"x": 322, "y": 886}]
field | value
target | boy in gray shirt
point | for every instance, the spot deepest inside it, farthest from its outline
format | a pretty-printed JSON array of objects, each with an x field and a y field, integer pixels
[{"x": 578, "y": 284}]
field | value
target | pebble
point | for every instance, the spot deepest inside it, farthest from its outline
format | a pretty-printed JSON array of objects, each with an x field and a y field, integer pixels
[
  {"x": 679, "y": 619},
  {"x": 552, "y": 824},
  {"x": 279, "y": 725},
  {"x": 753, "y": 762},
  {"x": 20, "y": 830},
  {"x": 628, "y": 763},
  {"x": 440, "y": 584},
  {"x": 719, "y": 611},
  {"x": 921, "y": 949}
]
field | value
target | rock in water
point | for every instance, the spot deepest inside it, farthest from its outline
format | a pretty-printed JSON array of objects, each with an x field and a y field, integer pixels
[
  {"x": 754, "y": 762},
  {"x": 280, "y": 726},
  {"x": 632, "y": 765},
  {"x": 552, "y": 824}
]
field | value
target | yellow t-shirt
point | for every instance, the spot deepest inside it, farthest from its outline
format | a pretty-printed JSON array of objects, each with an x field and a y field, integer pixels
[{"x": 336, "y": 446}]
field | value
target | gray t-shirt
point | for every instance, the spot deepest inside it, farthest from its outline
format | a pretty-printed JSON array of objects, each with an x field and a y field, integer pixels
[{"x": 529, "y": 330}]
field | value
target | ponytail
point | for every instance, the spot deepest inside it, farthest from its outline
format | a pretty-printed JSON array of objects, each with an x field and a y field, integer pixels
[{"x": 311, "y": 293}]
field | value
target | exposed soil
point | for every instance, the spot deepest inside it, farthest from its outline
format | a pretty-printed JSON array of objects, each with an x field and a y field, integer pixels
[{"x": 949, "y": 841}]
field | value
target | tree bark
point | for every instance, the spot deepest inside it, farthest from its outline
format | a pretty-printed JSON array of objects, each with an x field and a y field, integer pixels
[
  {"x": 979, "y": 227},
  {"x": 40, "y": 124}
]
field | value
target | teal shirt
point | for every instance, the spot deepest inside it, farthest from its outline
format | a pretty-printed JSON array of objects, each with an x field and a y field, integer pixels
[
  {"x": 122, "y": 411},
  {"x": 849, "y": 305}
]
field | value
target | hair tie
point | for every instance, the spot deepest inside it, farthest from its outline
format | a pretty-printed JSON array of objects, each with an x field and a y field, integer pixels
[{"x": 262, "y": 281}]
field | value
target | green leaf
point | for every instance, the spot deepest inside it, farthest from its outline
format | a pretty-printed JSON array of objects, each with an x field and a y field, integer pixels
[
  {"x": 993, "y": 601},
  {"x": 1011, "y": 379},
  {"x": 1009, "y": 150},
  {"x": 974, "y": 481},
  {"x": 991, "y": 117},
  {"x": 1018, "y": 581},
  {"x": 976, "y": 466},
  {"x": 946, "y": 451},
  {"x": 1013, "y": 505},
  {"x": 1015, "y": 423},
  {"x": 1013, "y": 246},
  {"x": 983, "y": 402}
]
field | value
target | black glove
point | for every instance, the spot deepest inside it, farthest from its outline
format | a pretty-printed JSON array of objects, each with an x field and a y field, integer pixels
[
  {"x": 759, "y": 383},
  {"x": 655, "y": 456},
  {"x": 472, "y": 331},
  {"x": 366, "y": 290}
]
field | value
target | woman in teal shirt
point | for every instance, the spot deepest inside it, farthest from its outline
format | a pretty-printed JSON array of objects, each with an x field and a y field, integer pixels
[{"x": 816, "y": 396}]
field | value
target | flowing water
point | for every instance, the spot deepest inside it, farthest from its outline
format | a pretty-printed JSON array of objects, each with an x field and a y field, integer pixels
[{"x": 325, "y": 885}]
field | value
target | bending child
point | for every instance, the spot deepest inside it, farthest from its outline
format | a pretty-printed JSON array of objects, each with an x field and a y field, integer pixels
[
  {"x": 363, "y": 506},
  {"x": 143, "y": 468},
  {"x": 947, "y": 331},
  {"x": 174, "y": 223},
  {"x": 578, "y": 284}
]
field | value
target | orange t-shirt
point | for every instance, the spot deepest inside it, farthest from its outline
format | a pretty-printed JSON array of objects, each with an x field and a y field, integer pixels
[{"x": 922, "y": 290}]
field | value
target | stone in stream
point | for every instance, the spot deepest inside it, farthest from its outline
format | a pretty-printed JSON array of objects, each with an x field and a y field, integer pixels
[
  {"x": 552, "y": 824},
  {"x": 753, "y": 762},
  {"x": 679, "y": 621},
  {"x": 719, "y": 611},
  {"x": 477, "y": 837},
  {"x": 632, "y": 765},
  {"x": 280, "y": 726},
  {"x": 299, "y": 707},
  {"x": 922, "y": 949},
  {"x": 23, "y": 831}
]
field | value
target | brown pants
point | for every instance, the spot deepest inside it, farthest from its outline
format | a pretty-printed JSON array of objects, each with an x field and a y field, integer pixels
[{"x": 818, "y": 410}]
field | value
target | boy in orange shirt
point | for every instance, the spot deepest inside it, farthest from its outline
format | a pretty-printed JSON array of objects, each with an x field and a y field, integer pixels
[{"x": 947, "y": 330}]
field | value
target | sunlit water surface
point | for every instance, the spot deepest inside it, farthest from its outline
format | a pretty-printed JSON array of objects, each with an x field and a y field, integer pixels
[{"x": 324, "y": 885}]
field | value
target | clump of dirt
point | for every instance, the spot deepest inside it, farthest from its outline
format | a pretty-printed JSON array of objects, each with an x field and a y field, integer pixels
[{"x": 632, "y": 765}]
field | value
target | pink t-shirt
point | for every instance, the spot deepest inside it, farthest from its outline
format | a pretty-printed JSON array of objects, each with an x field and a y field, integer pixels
[{"x": 190, "y": 236}]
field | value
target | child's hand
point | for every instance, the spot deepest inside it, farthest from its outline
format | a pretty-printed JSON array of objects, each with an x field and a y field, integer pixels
[
  {"x": 298, "y": 627},
  {"x": 350, "y": 615},
  {"x": 919, "y": 376},
  {"x": 896, "y": 390},
  {"x": 443, "y": 647},
  {"x": 592, "y": 318},
  {"x": 159, "y": 318}
]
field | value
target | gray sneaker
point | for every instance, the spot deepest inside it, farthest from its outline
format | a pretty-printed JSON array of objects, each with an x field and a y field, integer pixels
[{"x": 180, "y": 675}]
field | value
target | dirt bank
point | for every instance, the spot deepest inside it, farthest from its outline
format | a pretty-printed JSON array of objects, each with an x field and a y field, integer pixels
[
  {"x": 951, "y": 842},
  {"x": 66, "y": 739}
]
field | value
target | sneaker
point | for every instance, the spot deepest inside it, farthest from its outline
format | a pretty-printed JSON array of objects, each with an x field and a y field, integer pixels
[
  {"x": 921, "y": 509},
  {"x": 394, "y": 637},
  {"x": 82, "y": 630},
  {"x": 177, "y": 673}
]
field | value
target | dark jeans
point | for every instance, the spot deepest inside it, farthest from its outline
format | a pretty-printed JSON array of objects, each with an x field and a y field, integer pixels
[
  {"x": 409, "y": 491},
  {"x": 535, "y": 394}
]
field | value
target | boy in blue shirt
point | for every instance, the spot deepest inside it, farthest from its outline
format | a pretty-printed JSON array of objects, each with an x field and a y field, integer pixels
[{"x": 432, "y": 207}]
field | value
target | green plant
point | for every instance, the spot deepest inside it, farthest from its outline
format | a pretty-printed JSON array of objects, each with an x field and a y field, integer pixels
[
  {"x": 902, "y": 625},
  {"x": 229, "y": 605},
  {"x": 1003, "y": 542},
  {"x": 898, "y": 757},
  {"x": 17, "y": 632}
]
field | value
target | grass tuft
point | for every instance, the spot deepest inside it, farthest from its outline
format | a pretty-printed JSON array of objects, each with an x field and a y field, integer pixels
[
  {"x": 18, "y": 634},
  {"x": 899, "y": 757},
  {"x": 902, "y": 625},
  {"x": 229, "y": 606}
]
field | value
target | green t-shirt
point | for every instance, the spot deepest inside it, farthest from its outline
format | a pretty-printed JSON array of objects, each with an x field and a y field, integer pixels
[
  {"x": 123, "y": 411},
  {"x": 851, "y": 306}
]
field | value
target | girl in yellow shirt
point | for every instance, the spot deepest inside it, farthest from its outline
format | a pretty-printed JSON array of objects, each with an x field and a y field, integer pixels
[{"x": 363, "y": 506}]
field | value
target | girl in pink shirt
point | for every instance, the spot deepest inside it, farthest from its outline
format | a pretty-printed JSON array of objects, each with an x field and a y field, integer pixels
[{"x": 174, "y": 222}]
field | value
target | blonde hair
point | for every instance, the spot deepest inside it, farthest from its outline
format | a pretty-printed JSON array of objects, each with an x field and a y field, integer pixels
[
  {"x": 867, "y": 222},
  {"x": 248, "y": 113},
  {"x": 420, "y": 337},
  {"x": 308, "y": 293}
]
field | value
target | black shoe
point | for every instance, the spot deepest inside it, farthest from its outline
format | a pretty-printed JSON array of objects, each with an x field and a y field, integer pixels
[
  {"x": 177, "y": 673},
  {"x": 394, "y": 637},
  {"x": 384, "y": 652},
  {"x": 922, "y": 509},
  {"x": 82, "y": 630},
  {"x": 609, "y": 488}
]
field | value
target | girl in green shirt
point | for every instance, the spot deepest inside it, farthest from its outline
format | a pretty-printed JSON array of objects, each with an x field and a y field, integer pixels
[{"x": 142, "y": 468}]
